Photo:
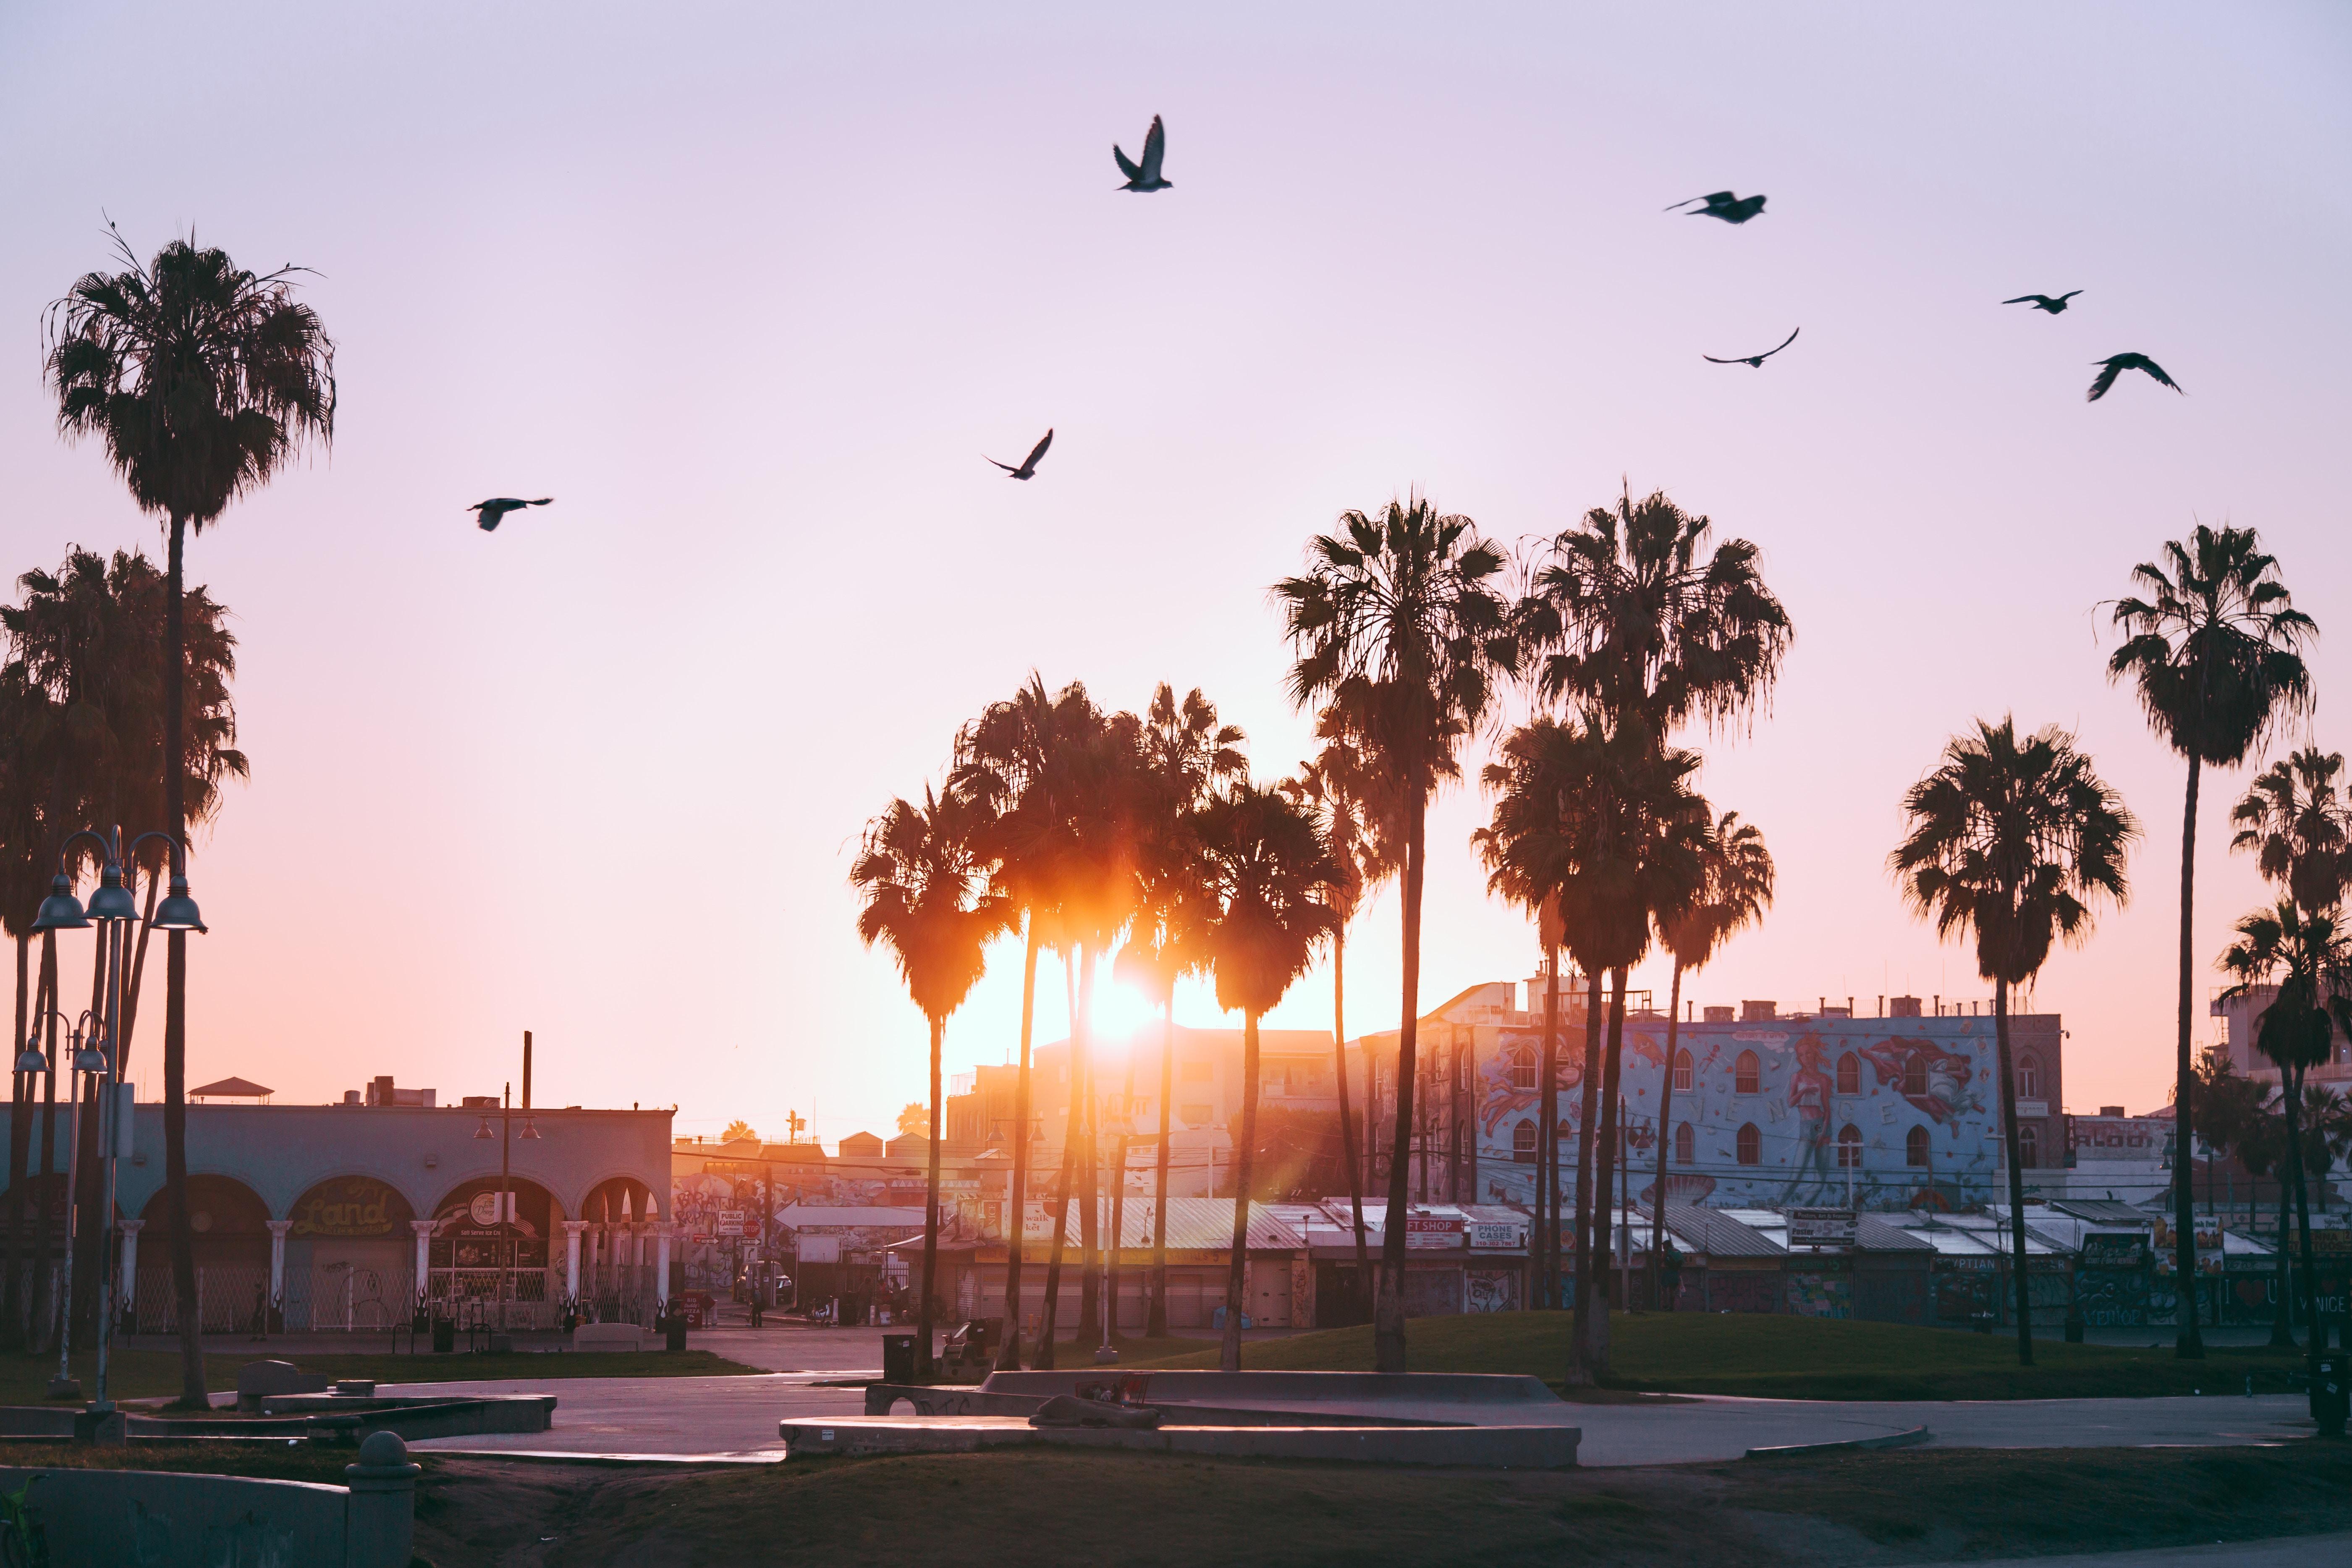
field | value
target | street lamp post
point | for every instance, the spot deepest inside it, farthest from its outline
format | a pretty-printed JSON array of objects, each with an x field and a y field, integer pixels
[{"x": 505, "y": 1187}]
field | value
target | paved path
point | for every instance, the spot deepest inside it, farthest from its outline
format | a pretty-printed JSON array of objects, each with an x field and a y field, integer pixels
[{"x": 2295, "y": 1551}]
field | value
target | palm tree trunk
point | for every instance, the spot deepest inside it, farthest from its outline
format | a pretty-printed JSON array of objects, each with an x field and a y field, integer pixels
[
  {"x": 1089, "y": 1169},
  {"x": 1229, "y": 1357},
  {"x": 138, "y": 966},
  {"x": 1156, "y": 1327},
  {"x": 2189, "y": 1340},
  {"x": 1665, "y": 1136},
  {"x": 1043, "y": 1359},
  {"x": 175, "y": 987},
  {"x": 1008, "y": 1355},
  {"x": 1605, "y": 1200},
  {"x": 931, "y": 1218},
  {"x": 20, "y": 1133},
  {"x": 2315, "y": 1331},
  {"x": 2017, "y": 1180},
  {"x": 1117, "y": 1239},
  {"x": 1546, "y": 1248},
  {"x": 2283, "y": 1287},
  {"x": 1580, "y": 1368},
  {"x": 37, "y": 1308},
  {"x": 1388, "y": 1303},
  {"x": 1347, "y": 1122}
]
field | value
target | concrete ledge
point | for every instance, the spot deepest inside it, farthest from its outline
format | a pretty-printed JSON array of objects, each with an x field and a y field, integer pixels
[
  {"x": 1885, "y": 1440},
  {"x": 1486, "y": 1447},
  {"x": 424, "y": 1416},
  {"x": 931, "y": 1399},
  {"x": 1188, "y": 1386}
]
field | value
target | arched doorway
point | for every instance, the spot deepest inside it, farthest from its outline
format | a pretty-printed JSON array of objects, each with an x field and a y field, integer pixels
[
  {"x": 229, "y": 1228},
  {"x": 616, "y": 1250},
  {"x": 351, "y": 1257},
  {"x": 491, "y": 1263}
]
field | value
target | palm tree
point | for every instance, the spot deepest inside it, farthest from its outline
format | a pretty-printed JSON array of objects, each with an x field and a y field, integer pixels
[
  {"x": 2294, "y": 820},
  {"x": 924, "y": 876},
  {"x": 1738, "y": 890},
  {"x": 2233, "y": 1118},
  {"x": 26, "y": 714},
  {"x": 2011, "y": 840},
  {"x": 1398, "y": 620},
  {"x": 2215, "y": 651},
  {"x": 1186, "y": 753},
  {"x": 1266, "y": 871},
  {"x": 203, "y": 380},
  {"x": 2308, "y": 959}
]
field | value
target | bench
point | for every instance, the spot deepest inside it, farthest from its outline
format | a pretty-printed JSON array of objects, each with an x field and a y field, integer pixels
[{"x": 608, "y": 1337}]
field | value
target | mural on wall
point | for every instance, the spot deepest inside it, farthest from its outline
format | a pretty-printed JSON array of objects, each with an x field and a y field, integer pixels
[
  {"x": 1951, "y": 1077},
  {"x": 1502, "y": 1102}
]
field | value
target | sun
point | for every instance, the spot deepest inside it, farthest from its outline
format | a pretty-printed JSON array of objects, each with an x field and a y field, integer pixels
[{"x": 1120, "y": 1012}]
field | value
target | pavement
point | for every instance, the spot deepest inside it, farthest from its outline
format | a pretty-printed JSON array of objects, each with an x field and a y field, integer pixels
[{"x": 2292, "y": 1552}]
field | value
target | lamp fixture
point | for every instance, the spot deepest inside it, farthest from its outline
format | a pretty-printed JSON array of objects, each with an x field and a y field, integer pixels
[
  {"x": 484, "y": 1130},
  {"x": 530, "y": 1130},
  {"x": 177, "y": 912},
  {"x": 60, "y": 910},
  {"x": 30, "y": 1059},
  {"x": 113, "y": 901}
]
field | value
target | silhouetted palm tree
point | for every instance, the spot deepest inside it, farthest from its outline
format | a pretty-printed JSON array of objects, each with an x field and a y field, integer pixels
[
  {"x": 201, "y": 379},
  {"x": 25, "y": 716},
  {"x": 1398, "y": 620},
  {"x": 1265, "y": 873},
  {"x": 1738, "y": 890},
  {"x": 2214, "y": 649},
  {"x": 2010, "y": 839},
  {"x": 2296, "y": 822},
  {"x": 924, "y": 878}
]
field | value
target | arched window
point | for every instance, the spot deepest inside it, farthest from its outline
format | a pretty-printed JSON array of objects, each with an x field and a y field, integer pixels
[
  {"x": 1745, "y": 1074},
  {"x": 1849, "y": 1145},
  {"x": 1849, "y": 1074},
  {"x": 1686, "y": 1143},
  {"x": 1682, "y": 1072},
  {"x": 1523, "y": 1071},
  {"x": 1915, "y": 1148},
  {"x": 1750, "y": 1145},
  {"x": 2029, "y": 1077},
  {"x": 2029, "y": 1148},
  {"x": 1522, "y": 1142},
  {"x": 1914, "y": 1073}
]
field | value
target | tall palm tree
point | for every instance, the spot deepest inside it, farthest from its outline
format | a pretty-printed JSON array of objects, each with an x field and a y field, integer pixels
[
  {"x": 924, "y": 874},
  {"x": 1738, "y": 890},
  {"x": 1187, "y": 752},
  {"x": 2012, "y": 840},
  {"x": 2298, "y": 826},
  {"x": 1397, "y": 619},
  {"x": 2215, "y": 650},
  {"x": 1266, "y": 871},
  {"x": 26, "y": 714},
  {"x": 2309, "y": 958},
  {"x": 201, "y": 379}
]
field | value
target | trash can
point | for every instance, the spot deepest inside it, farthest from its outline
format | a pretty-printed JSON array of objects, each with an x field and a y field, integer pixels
[
  {"x": 445, "y": 1335},
  {"x": 675, "y": 1332},
  {"x": 2331, "y": 1394},
  {"x": 899, "y": 1361}
]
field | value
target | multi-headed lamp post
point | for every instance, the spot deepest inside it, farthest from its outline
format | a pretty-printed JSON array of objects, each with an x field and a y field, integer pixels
[{"x": 98, "y": 1057}]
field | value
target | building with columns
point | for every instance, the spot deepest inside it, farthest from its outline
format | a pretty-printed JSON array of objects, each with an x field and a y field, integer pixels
[{"x": 319, "y": 1218}]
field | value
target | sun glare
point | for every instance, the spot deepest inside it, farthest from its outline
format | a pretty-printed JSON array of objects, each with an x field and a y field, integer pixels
[{"x": 1120, "y": 1011}]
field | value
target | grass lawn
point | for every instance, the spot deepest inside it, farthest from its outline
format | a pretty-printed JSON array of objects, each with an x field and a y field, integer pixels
[
  {"x": 1769, "y": 1356},
  {"x": 141, "y": 1374},
  {"x": 1914, "y": 1506}
]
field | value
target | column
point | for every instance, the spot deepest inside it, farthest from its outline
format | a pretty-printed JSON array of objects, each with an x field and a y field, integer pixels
[
  {"x": 277, "y": 1230},
  {"x": 661, "y": 1267},
  {"x": 572, "y": 1229},
  {"x": 129, "y": 1293},
  {"x": 423, "y": 1228}
]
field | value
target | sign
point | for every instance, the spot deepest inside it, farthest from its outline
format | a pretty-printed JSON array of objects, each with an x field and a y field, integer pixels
[
  {"x": 1821, "y": 1228},
  {"x": 820, "y": 1249},
  {"x": 1430, "y": 1230},
  {"x": 2115, "y": 1249},
  {"x": 355, "y": 1207},
  {"x": 484, "y": 1209},
  {"x": 1490, "y": 1233},
  {"x": 731, "y": 1223}
]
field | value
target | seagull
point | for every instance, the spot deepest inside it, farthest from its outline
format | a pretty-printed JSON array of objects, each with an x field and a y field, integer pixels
[
  {"x": 2043, "y": 301},
  {"x": 2114, "y": 365},
  {"x": 1144, "y": 177},
  {"x": 1028, "y": 468},
  {"x": 490, "y": 513},
  {"x": 1725, "y": 206},
  {"x": 1754, "y": 360}
]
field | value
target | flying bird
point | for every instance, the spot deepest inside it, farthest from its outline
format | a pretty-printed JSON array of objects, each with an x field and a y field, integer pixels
[
  {"x": 1145, "y": 176},
  {"x": 1028, "y": 468},
  {"x": 490, "y": 513},
  {"x": 1725, "y": 206},
  {"x": 2115, "y": 364},
  {"x": 1754, "y": 360},
  {"x": 2043, "y": 301}
]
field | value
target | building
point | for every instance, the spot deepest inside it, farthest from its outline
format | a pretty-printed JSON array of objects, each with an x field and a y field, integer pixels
[{"x": 315, "y": 1218}]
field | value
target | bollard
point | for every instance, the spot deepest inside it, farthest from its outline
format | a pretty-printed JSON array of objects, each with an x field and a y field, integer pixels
[{"x": 380, "y": 1522}]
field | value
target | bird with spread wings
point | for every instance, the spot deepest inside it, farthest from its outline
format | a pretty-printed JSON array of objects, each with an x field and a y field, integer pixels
[
  {"x": 1145, "y": 176},
  {"x": 1028, "y": 468},
  {"x": 2114, "y": 365},
  {"x": 1754, "y": 360}
]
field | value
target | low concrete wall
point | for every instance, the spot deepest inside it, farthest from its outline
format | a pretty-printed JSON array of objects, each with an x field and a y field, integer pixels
[
  {"x": 415, "y": 1418},
  {"x": 883, "y": 1398},
  {"x": 1202, "y": 1387},
  {"x": 107, "y": 1519},
  {"x": 1493, "y": 1447}
]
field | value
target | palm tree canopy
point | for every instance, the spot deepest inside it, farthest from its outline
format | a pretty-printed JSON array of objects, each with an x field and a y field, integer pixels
[
  {"x": 2215, "y": 647},
  {"x": 2309, "y": 959},
  {"x": 1186, "y": 753},
  {"x": 1637, "y": 617},
  {"x": 28, "y": 833},
  {"x": 2011, "y": 840},
  {"x": 1600, "y": 821},
  {"x": 927, "y": 899},
  {"x": 1737, "y": 891},
  {"x": 2294, "y": 819},
  {"x": 202, "y": 378},
  {"x": 1266, "y": 877},
  {"x": 1401, "y": 615},
  {"x": 85, "y": 635}
]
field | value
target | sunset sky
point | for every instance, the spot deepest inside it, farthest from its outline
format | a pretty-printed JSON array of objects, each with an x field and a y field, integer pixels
[{"x": 751, "y": 290}]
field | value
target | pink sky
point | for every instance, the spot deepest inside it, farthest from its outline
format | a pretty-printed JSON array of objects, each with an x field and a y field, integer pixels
[{"x": 751, "y": 290}]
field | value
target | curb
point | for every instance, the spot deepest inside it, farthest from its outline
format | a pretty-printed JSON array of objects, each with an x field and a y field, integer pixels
[
  {"x": 610, "y": 1461},
  {"x": 1891, "y": 1440}
]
